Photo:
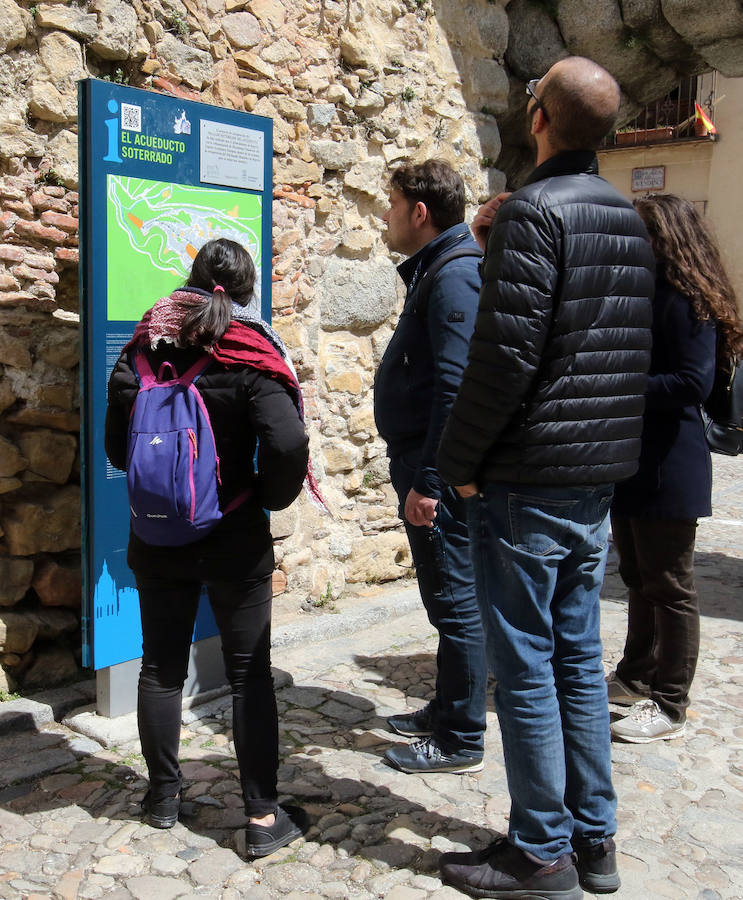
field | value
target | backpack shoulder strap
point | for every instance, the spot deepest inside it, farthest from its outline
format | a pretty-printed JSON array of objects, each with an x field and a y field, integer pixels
[
  {"x": 425, "y": 284},
  {"x": 146, "y": 376},
  {"x": 142, "y": 368},
  {"x": 197, "y": 369}
]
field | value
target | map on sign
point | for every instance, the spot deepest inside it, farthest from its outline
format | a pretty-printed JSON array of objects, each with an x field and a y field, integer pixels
[{"x": 154, "y": 230}]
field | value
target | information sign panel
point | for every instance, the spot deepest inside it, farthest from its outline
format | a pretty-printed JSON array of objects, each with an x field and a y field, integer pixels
[
  {"x": 159, "y": 176},
  {"x": 649, "y": 178}
]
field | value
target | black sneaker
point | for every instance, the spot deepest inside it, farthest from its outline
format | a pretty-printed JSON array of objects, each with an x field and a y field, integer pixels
[
  {"x": 161, "y": 813},
  {"x": 597, "y": 867},
  {"x": 262, "y": 840},
  {"x": 416, "y": 724},
  {"x": 502, "y": 870},
  {"x": 428, "y": 756}
]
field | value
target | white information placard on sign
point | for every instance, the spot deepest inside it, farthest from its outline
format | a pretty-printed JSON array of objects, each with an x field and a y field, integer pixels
[
  {"x": 231, "y": 156},
  {"x": 649, "y": 178}
]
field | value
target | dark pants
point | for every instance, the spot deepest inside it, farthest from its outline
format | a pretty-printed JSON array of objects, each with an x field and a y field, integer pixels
[
  {"x": 656, "y": 562},
  {"x": 242, "y": 610},
  {"x": 447, "y": 584}
]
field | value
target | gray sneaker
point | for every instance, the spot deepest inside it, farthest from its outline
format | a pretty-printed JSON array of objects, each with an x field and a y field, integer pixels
[
  {"x": 623, "y": 693},
  {"x": 645, "y": 723},
  {"x": 415, "y": 724},
  {"x": 426, "y": 755}
]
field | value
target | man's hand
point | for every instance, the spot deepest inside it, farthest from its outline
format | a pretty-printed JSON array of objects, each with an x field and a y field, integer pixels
[
  {"x": 467, "y": 490},
  {"x": 484, "y": 218},
  {"x": 420, "y": 510}
]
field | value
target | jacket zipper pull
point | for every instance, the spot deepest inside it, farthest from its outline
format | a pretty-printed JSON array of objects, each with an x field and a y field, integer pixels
[
  {"x": 192, "y": 438},
  {"x": 405, "y": 360}
]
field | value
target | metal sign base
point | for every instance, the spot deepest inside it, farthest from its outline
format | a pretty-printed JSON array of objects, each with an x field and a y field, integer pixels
[{"x": 116, "y": 686}]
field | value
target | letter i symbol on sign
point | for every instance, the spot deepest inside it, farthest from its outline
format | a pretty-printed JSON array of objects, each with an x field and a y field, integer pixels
[{"x": 113, "y": 135}]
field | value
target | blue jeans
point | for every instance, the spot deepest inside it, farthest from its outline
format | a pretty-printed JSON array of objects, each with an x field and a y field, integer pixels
[
  {"x": 539, "y": 554},
  {"x": 447, "y": 584}
]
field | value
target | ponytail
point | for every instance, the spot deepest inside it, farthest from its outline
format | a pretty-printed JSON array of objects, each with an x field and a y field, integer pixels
[
  {"x": 226, "y": 269},
  {"x": 204, "y": 325}
]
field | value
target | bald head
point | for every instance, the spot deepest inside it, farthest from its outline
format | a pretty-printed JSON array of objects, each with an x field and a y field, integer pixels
[{"x": 582, "y": 99}]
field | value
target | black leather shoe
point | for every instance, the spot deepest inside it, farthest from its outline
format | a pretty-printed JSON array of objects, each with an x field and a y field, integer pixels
[
  {"x": 503, "y": 871},
  {"x": 597, "y": 867},
  {"x": 161, "y": 813},
  {"x": 262, "y": 840},
  {"x": 416, "y": 724},
  {"x": 428, "y": 756}
]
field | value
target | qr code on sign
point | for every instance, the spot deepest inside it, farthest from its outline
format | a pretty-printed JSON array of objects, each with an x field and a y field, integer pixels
[{"x": 131, "y": 117}]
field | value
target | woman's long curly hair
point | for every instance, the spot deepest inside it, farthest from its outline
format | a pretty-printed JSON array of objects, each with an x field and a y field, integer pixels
[{"x": 690, "y": 261}]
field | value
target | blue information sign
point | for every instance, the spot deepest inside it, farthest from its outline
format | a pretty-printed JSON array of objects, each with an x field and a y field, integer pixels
[{"x": 159, "y": 177}]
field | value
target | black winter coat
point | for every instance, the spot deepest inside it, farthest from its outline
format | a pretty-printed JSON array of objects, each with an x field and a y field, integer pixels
[
  {"x": 553, "y": 392},
  {"x": 675, "y": 476},
  {"x": 243, "y": 405}
]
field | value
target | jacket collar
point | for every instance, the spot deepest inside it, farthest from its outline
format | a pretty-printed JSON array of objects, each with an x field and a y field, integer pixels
[
  {"x": 569, "y": 162},
  {"x": 419, "y": 261}
]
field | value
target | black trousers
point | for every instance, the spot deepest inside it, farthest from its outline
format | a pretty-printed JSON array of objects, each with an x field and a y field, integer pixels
[
  {"x": 656, "y": 562},
  {"x": 242, "y": 610}
]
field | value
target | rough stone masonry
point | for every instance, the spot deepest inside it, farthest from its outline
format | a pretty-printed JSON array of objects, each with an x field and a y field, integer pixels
[{"x": 353, "y": 87}]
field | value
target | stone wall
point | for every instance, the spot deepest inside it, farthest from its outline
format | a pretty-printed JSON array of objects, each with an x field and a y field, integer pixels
[{"x": 353, "y": 87}]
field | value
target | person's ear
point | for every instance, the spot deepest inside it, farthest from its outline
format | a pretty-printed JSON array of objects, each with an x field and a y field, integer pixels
[
  {"x": 420, "y": 213},
  {"x": 538, "y": 121}
]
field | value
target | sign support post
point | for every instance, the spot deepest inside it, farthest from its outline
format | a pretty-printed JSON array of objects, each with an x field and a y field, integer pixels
[{"x": 159, "y": 176}]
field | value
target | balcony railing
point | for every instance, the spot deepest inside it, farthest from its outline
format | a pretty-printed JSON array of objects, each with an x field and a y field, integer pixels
[{"x": 673, "y": 117}]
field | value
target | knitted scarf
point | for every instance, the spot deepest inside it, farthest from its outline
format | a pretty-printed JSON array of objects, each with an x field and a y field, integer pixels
[{"x": 248, "y": 341}]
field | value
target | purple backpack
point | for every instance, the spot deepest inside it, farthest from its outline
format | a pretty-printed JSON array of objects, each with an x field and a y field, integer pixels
[{"x": 172, "y": 467}]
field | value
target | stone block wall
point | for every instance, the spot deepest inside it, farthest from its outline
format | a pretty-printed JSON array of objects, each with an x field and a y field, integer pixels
[{"x": 353, "y": 88}]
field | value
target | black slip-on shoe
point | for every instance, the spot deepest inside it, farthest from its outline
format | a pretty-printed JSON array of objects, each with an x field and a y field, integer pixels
[
  {"x": 597, "y": 867},
  {"x": 161, "y": 813},
  {"x": 262, "y": 840},
  {"x": 503, "y": 871},
  {"x": 164, "y": 813},
  {"x": 415, "y": 724},
  {"x": 427, "y": 755}
]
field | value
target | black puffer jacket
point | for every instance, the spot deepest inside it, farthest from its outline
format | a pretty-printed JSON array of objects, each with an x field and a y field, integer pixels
[
  {"x": 553, "y": 392},
  {"x": 243, "y": 405}
]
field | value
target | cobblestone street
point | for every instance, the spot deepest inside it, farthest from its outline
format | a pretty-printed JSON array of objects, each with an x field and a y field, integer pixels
[{"x": 69, "y": 813}]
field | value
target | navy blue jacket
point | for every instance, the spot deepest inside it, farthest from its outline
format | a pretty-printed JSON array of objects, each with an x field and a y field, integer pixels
[
  {"x": 674, "y": 480},
  {"x": 418, "y": 377}
]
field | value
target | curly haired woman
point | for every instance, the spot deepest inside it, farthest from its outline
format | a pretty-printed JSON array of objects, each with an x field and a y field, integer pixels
[{"x": 654, "y": 514}]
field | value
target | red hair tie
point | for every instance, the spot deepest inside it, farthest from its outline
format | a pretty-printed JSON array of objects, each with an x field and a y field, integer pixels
[{"x": 218, "y": 287}]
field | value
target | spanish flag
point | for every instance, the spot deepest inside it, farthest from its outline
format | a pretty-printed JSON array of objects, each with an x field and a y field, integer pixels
[{"x": 705, "y": 120}]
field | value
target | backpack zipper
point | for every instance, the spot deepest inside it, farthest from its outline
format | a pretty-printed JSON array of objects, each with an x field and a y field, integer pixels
[{"x": 193, "y": 456}]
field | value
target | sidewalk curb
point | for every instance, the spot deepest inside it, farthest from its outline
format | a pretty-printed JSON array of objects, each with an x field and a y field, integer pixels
[
  {"x": 31, "y": 713},
  {"x": 315, "y": 629}
]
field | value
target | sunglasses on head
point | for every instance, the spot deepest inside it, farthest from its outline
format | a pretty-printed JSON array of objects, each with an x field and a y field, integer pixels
[{"x": 531, "y": 91}]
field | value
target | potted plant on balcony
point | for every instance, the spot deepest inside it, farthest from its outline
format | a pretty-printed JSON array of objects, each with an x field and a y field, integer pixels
[{"x": 629, "y": 135}]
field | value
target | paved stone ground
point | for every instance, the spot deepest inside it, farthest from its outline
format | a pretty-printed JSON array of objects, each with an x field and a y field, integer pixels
[{"x": 69, "y": 823}]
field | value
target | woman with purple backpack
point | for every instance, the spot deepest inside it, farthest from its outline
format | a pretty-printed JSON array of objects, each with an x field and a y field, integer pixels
[{"x": 227, "y": 376}]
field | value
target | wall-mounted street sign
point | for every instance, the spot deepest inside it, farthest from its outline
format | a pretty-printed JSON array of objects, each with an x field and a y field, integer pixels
[
  {"x": 159, "y": 177},
  {"x": 649, "y": 178}
]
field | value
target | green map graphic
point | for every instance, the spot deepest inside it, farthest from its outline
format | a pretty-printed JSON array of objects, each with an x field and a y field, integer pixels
[{"x": 154, "y": 230}]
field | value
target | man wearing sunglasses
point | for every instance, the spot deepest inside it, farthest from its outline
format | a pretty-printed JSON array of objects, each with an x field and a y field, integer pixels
[{"x": 548, "y": 416}]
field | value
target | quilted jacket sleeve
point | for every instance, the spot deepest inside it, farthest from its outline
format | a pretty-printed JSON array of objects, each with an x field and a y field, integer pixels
[
  {"x": 282, "y": 442},
  {"x": 520, "y": 275},
  {"x": 122, "y": 391}
]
